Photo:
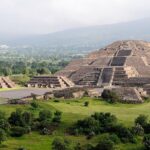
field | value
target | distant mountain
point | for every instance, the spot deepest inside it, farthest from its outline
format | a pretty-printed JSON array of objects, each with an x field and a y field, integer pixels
[{"x": 88, "y": 38}]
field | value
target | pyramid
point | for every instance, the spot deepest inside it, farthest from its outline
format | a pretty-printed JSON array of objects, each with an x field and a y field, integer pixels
[
  {"x": 123, "y": 63},
  {"x": 5, "y": 82}
]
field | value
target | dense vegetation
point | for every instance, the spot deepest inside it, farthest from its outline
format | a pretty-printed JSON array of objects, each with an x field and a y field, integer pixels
[
  {"x": 22, "y": 65},
  {"x": 80, "y": 127},
  {"x": 23, "y": 122},
  {"x": 31, "y": 68}
]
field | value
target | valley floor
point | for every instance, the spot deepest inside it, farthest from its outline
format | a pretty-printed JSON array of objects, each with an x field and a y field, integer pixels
[{"x": 74, "y": 110}]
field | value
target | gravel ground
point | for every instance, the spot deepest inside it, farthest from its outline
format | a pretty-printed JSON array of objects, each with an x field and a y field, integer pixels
[{"x": 21, "y": 93}]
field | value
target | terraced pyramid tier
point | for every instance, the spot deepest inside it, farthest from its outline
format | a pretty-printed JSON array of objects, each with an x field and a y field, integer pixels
[
  {"x": 123, "y": 63},
  {"x": 5, "y": 82}
]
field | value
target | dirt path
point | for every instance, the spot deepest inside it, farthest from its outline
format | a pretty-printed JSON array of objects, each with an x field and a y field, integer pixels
[{"x": 20, "y": 93}]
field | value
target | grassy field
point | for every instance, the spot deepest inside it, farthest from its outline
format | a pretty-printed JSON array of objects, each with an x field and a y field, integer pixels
[{"x": 72, "y": 111}]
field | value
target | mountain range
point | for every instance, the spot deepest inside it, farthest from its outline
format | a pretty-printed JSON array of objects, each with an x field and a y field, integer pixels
[{"x": 85, "y": 38}]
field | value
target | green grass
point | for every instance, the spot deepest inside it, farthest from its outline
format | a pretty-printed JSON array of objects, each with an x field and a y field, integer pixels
[{"x": 74, "y": 110}]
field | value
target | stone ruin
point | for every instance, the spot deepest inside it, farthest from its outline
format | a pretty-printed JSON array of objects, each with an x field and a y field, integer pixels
[
  {"x": 5, "y": 82},
  {"x": 118, "y": 66},
  {"x": 123, "y": 66},
  {"x": 50, "y": 82}
]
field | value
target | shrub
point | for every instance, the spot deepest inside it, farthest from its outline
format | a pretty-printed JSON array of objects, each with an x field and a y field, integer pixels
[
  {"x": 123, "y": 133},
  {"x": 57, "y": 117},
  {"x": 138, "y": 130},
  {"x": 2, "y": 136},
  {"x": 17, "y": 131},
  {"x": 4, "y": 124},
  {"x": 110, "y": 96},
  {"x": 106, "y": 120},
  {"x": 147, "y": 128},
  {"x": 86, "y": 104},
  {"x": 21, "y": 148},
  {"x": 2, "y": 115},
  {"x": 16, "y": 118},
  {"x": 57, "y": 101},
  {"x": 45, "y": 124},
  {"x": 87, "y": 147},
  {"x": 19, "y": 118},
  {"x": 105, "y": 144},
  {"x": 97, "y": 123},
  {"x": 78, "y": 147},
  {"x": 27, "y": 118},
  {"x": 44, "y": 115},
  {"x": 146, "y": 141},
  {"x": 45, "y": 131},
  {"x": 114, "y": 138},
  {"x": 34, "y": 105},
  {"x": 142, "y": 120},
  {"x": 61, "y": 144},
  {"x": 90, "y": 135}
]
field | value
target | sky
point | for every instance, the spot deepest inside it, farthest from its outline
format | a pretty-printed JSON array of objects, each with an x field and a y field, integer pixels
[{"x": 46, "y": 16}]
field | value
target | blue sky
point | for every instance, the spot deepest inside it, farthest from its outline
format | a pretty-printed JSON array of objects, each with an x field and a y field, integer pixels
[{"x": 45, "y": 16}]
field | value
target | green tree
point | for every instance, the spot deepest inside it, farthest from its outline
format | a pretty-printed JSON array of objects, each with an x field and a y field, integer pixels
[
  {"x": 138, "y": 130},
  {"x": 45, "y": 115},
  {"x": 3, "y": 136},
  {"x": 142, "y": 120},
  {"x": 105, "y": 144},
  {"x": 61, "y": 144},
  {"x": 86, "y": 104},
  {"x": 16, "y": 118},
  {"x": 57, "y": 117},
  {"x": 34, "y": 104},
  {"x": 146, "y": 141},
  {"x": 27, "y": 118}
]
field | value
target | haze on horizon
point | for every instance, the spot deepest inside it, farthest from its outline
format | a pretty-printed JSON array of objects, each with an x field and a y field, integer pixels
[{"x": 19, "y": 17}]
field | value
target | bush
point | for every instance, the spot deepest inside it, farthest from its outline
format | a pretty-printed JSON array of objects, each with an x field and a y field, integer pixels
[
  {"x": 86, "y": 104},
  {"x": 45, "y": 115},
  {"x": 138, "y": 130},
  {"x": 146, "y": 141},
  {"x": 114, "y": 138},
  {"x": 45, "y": 124},
  {"x": 19, "y": 118},
  {"x": 110, "y": 96},
  {"x": 18, "y": 131},
  {"x": 105, "y": 144},
  {"x": 61, "y": 144},
  {"x": 2, "y": 115},
  {"x": 57, "y": 101},
  {"x": 90, "y": 135},
  {"x": 86, "y": 147},
  {"x": 21, "y": 148},
  {"x": 97, "y": 123},
  {"x": 34, "y": 105},
  {"x": 16, "y": 118},
  {"x": 106, "y": 120},
  {"x": 27, "y": 118},
  {"x": 147, "y": 128},
  {"x": 57, "y": 117},
  {"x": 45, "y": 131},
  {"x": 141, "y": 120},
  {"x": 124, "y": 133},
  {"x": 2, "y": 136}
]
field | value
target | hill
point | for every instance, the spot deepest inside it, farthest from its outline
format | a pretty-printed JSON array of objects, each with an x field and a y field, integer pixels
[{"x": 87, "y": 38}]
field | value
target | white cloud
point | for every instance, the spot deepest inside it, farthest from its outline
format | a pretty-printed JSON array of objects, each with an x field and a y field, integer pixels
[{"x": 44, "y": 16}]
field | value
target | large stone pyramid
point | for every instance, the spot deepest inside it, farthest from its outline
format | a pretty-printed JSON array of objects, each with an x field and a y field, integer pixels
[{"x": 123, "y": 63}]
